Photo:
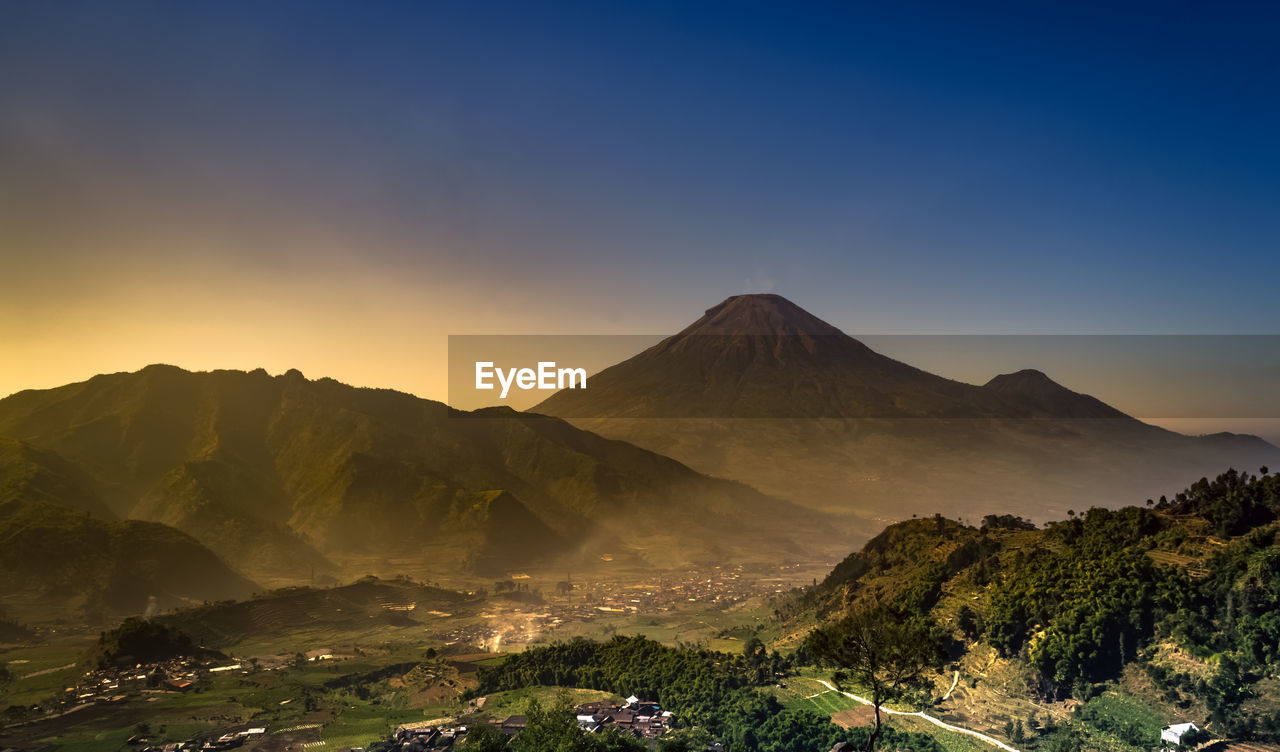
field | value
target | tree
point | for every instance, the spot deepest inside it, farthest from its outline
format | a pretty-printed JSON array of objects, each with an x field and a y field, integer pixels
[
  {"x": 710, "y": 690},
  {"x": 1065, "y": 740},
  {"x": 482, "y": 737},
  {"x": 685, "y": 740},
  {"x": 555, "y": 728},
  {"x": 141, "y": 641},
  {"x": 967, "y": 621},
  {"x": 880, "y": 651}
]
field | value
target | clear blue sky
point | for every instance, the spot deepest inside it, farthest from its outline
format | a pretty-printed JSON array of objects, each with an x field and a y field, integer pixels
[{"x": 246, "y": 175}]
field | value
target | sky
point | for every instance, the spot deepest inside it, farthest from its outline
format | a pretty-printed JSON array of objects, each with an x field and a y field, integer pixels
[{"x": 337, "y": 187}]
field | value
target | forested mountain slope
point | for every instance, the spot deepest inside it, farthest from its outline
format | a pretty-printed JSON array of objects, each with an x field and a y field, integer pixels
[{"x": 1178, "y": 599}]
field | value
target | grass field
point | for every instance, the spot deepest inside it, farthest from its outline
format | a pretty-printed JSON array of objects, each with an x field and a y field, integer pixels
[
  {"x": 358, "y": 726},
  {"x": 829, "y": 702},
  {"x": 516, "y": 702},
  {"x": 48, "y": 663}
]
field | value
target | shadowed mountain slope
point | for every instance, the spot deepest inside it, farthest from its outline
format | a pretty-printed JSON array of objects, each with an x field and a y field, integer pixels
[
  {"x": 57, "y": 562},
  {"x": 282, "y": 474},
  {"x": 28, "y": 473}
]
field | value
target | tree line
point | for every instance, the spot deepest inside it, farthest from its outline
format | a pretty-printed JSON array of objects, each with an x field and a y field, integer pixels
[{"x": 713, "y": 695}]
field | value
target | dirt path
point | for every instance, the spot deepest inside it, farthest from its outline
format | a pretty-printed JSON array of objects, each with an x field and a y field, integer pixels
[
  {"x": 47, "y": 671},
  {"x": 954, "y": 681},
  {"x": 925, "y": 716},
  {"x": 51, "y": 716}
]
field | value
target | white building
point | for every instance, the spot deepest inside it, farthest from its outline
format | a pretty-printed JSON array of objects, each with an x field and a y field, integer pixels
[{"x": 1173, "y": 734}]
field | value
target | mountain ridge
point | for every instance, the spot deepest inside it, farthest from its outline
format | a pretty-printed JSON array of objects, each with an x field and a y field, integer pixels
[
  {"x": 284, "y": 474},
  {"x": 759, "y": 390}
]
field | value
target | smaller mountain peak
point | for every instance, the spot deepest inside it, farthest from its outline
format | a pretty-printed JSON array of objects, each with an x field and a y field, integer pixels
[
  {"x": 1035, "y": 390},
  {"x": 759, "y": 313},
  {"x": 158, "y": 374},
  {"x": 1027, "y": 377}
]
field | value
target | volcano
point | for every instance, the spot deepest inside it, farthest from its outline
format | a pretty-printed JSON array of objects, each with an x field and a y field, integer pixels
[
  {"x": 762, "y": 356},
  {"x": 759, "y": 390}
]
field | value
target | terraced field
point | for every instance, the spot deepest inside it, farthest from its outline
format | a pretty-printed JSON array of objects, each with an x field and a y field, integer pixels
[{"x": 830, "y": 703}]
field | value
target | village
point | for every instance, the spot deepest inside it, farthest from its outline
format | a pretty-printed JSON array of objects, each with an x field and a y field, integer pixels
[
  {"x": 720, "y": 585},
  {"x": 514, "y": 612},
  {"x": 110, "y": 686},
  {"x": 575, "y": 600},
  {"x": 108, "y": 692},
  {"x": 116, "y": 685},
  {"x": 634, "y": 717}
]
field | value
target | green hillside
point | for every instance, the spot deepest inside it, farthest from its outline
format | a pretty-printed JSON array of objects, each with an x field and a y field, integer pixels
[
  {"x": 1174, "y": 605},
  {"x": 28, "y": 473},
  {"x": 60, "y": 563},
  {"x": 359, "y": 606}
]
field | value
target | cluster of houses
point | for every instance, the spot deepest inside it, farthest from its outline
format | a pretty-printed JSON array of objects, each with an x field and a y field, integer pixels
[
  {"x": 112, "y": 685},
  {"x": 229, "y": 740},
  {"x": 634, "y": 717},
  {"x": 637, "y": 718},
  {"x": 426, "y": 739}
]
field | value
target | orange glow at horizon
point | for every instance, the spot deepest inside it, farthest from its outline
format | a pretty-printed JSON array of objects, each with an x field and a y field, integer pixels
[{"x": 349, "y": 324}]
